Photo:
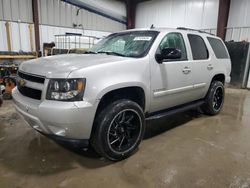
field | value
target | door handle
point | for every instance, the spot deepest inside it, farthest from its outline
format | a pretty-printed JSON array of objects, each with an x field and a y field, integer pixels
[
  {"x": 210, "y": 67},
  {"x": 186, "y": 70}
]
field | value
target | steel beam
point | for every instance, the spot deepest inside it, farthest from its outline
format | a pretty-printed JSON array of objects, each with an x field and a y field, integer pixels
[
  {"x": 96, "y": 10},
  {"x": 131, "y": 12},
  {"x": 224, "y": 6},
  {"x": 36, "y": 24}
]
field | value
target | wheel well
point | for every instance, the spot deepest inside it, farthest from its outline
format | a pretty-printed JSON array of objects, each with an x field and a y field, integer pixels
[
  {"x": 135, "y": 94},
  {"x": 219, "y": 77}
]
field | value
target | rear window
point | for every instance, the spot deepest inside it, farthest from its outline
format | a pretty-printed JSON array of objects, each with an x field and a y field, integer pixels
[
  {"x": 218, "y": 48},
  {"x": 198, "y": 47}
]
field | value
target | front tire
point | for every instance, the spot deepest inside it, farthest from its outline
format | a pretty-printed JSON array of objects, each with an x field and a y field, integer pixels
[
  {"x": 118, "y": 130},
  {"x": 214, "y": 99}
]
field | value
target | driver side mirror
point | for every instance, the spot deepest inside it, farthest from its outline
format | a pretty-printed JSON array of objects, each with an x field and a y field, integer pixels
[{"x": 168, "y": 54}]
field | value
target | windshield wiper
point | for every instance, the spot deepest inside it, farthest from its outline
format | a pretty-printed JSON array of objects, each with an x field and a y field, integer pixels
[
  {"x": 90, "y": 52},
  {"x": 111, "y": 53}
]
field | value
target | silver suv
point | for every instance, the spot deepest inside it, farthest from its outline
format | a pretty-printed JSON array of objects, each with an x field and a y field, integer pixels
[{"x": 103, "y": 97}]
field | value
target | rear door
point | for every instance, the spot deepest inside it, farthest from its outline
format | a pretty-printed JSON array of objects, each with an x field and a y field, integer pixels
[{"x": 201, "y": 66}]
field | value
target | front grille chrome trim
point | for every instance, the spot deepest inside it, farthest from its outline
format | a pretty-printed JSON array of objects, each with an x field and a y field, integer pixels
[{"x": 31, "y": 77}]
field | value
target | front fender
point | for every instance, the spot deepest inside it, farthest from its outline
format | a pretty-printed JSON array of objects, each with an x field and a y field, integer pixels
[{"x": 110, "y": 88}]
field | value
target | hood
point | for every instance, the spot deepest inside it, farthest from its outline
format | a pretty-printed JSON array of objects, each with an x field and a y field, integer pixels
[{"x": 61, "y": 66}]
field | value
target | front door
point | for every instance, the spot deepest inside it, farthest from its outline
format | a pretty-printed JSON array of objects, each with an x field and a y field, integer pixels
[{"x": 171, "y": 80}]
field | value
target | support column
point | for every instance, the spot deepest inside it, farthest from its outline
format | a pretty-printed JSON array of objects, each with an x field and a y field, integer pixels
[
  {"x": 7, "y": 25},
  {"x": 224, "y": 7},
  {"x": 31, "y": 37},
  {"x": 36, "y": 25},
  {"x": 131, "y": 8}
]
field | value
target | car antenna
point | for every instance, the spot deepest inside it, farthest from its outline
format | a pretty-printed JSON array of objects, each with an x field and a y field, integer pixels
[{"x": 152, "y": 26}]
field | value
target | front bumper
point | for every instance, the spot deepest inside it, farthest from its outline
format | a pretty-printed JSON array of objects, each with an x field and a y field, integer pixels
[
  {"x": 70, "y": 120},
  {"x": 79, "y": 143}
]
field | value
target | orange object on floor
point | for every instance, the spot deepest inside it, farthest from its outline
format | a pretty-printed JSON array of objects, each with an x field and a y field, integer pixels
[{"x": 9, "y": 83}]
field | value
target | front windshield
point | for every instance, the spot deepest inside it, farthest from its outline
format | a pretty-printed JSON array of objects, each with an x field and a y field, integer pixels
[{"x": 128, "y": 44}]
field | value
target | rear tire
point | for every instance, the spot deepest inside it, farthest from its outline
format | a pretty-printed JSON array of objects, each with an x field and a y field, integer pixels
[
  {"x": 118, "y": 130},
  {"x": 214, "y": 99}
]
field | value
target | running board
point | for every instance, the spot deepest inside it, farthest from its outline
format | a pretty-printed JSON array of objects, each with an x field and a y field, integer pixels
[{"x": 174, "y": 110}]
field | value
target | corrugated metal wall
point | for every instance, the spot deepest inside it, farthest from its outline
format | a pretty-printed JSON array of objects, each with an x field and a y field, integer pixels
[
  {"x": 58, "y": 13},
  {"x": 56, "y": 17},
  {"x": 20, "y": 36},
  {"x": 238, "y": 21},
  {"x": 197, "y": 14},
  {"x": 16, "y": 10},
  {"x": 114, "y": 6}
]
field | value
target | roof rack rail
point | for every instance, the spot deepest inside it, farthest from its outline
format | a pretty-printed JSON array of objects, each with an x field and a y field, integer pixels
[{"x": 189, "y": 29}]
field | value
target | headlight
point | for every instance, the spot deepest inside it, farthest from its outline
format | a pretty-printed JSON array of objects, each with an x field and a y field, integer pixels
[{"x": 66, "y": 89}]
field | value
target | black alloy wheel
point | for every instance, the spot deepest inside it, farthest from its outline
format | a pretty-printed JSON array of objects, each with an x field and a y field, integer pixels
[
  {"x": 118, "y": 129},
  {"x": 214, "y": 99},
  {"x": 124, "y": 130}
]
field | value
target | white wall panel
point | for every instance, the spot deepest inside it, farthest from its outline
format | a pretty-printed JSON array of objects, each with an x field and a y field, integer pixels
[
  {"x": 197, "y": 14},
  {"x": 6, "y": 9},
  {"x": 20, "y": 36},
  {"x": 1, "y": 10},
  {"x": 114, "y": 6},
  {"x": 25, "y": 38},
  {"x": 3, "y": 37},
  {"x": 239, "y": 13},
  {"x": 15, "y": 9},
  {"x": 25, "y": 10},
  {"x": 51, "y": 12},
  {"x": 62, "y": 16},
  {"x": 68, "y": 16},
  {"x": 83, "y": 17},
  {"x": 43, "y": 11},
  {"x": 238, "y": 21},
  {"x": 59, "y": 13},
  {"x": 15, "y": 37}
]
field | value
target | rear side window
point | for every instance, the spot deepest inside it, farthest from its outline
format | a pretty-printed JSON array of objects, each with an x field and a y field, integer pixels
[
  {"x": 218, "y": 48},
  {"x": 198, "y": 47}
]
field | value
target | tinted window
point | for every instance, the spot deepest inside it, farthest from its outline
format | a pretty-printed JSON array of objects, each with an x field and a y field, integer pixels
[
  {"x": 218, "y": 48},
  {"x": 174, "y": 40},
  {"x": 198, "y": 47}
]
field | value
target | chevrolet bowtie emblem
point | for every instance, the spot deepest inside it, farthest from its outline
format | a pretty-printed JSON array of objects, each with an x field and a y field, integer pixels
[{"x": 22, "y": 83}]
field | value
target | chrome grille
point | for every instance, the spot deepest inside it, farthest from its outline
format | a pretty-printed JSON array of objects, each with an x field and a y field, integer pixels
[
  {"x": 30, "y": 85},
  {"x": 32, "y": 78}
]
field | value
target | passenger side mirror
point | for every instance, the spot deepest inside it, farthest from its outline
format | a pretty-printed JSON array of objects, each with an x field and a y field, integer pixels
[{"x": 168, "y": 54}]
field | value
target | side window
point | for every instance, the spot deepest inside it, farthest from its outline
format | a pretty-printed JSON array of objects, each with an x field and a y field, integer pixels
[
  {"x": 198, "y": 47},
  {"x": 174, "y": 40},
  {"x": 218, "y": 48}
]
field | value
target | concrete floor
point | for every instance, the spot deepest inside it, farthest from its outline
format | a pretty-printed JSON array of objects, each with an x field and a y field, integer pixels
[{"x": 185, "y": 150}]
